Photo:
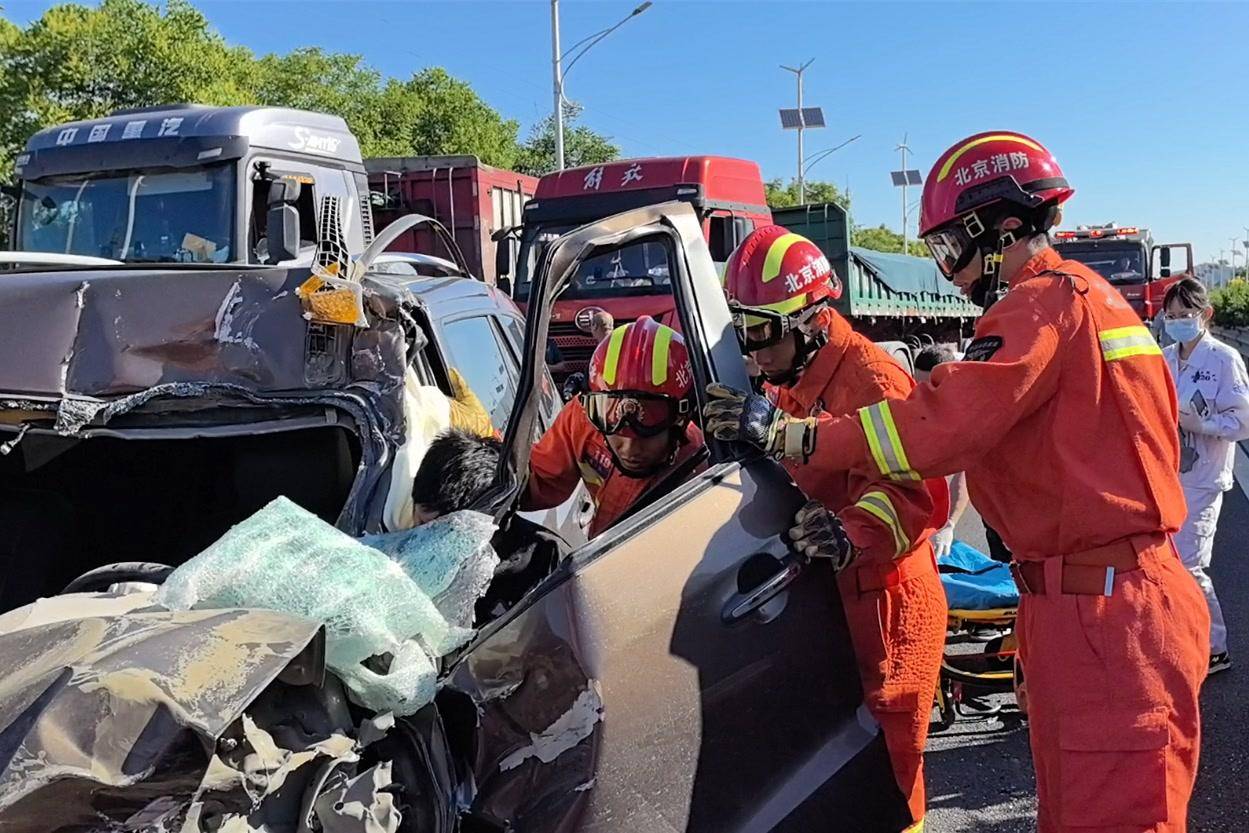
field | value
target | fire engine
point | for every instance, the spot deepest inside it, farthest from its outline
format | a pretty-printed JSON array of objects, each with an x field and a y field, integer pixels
[{"x": 1127, "y": 256}]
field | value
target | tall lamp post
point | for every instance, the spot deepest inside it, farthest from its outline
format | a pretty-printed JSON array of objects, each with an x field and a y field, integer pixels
[
  {"x": 904, "y": 179},
  {"x": 824, "y": 154},
  {"x": 801, "y": 119},
  {"x": 559, "y": 71}
]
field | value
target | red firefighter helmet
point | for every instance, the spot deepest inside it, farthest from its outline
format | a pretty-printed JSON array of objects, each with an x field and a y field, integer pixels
[
  {"x": 977, "y": 179},
  {"x": 640, "y": 380},
  {"x": 773, "y": 277}
]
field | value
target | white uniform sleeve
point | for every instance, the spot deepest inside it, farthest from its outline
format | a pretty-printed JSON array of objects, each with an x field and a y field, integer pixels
[{"x": 1229, "y": 414}]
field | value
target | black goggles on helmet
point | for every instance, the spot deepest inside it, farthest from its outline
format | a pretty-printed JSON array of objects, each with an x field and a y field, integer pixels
[
  {"x": 953, "y": 246},
  {"x": 758, "y": 328},
  {"x": 643, "y": 414}
]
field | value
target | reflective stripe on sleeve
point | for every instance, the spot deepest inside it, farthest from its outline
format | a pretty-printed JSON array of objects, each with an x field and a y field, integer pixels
[
  {"x": 884, "y": 442},
  {"x": 1125, "y": 342},
  {"x": 879, "y": 505}
]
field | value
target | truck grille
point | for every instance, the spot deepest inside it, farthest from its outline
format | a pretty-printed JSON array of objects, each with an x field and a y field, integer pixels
[{"x": 574, "y": 345}]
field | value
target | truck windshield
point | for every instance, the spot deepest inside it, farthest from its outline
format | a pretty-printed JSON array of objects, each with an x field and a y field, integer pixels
[
  {"x": 1119, "y": 263},
  {"x": 638, "y": 269},
  {"x": 135, "y": 216}
]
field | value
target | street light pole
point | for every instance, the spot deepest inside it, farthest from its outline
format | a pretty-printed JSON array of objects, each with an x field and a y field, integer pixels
[
  {"x": 557, "y": 61},
  {"x": 905, "y": 230},
  {"x": 557, "y": 70},
  {"x": 802, "y": 182},
  {"x": 1246, "y": 242},
  {"x": 824, "y": 154}
]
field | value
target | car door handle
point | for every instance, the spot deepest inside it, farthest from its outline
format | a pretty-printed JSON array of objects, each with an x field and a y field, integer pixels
[{"x": 745, "y": 604}]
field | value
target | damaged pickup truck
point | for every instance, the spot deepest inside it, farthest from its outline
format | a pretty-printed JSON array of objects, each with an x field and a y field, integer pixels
[{"x": 679, "y": 672}]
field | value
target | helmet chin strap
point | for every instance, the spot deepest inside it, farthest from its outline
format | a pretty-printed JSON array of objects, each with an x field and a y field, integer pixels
[
  {"x": 809, "y": 337},
  {"x": 989, "y": 290}
]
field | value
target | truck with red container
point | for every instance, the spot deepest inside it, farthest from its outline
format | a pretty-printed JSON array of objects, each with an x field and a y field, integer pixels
[
  {"x": 728, "y": 195},
  {"x": 1128, "y": 257},
  {"x": 472, "y": 199}
]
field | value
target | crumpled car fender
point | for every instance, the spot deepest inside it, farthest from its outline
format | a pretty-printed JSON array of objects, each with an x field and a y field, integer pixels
[{"x": 107, "y": 712}]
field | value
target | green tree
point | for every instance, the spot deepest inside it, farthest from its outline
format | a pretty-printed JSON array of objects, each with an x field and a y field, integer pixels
[
  {"x": 884, "y": 239},
  {"x": 77, "y": 62},
  {"x": 582, "y": 146},
  {"x": 781, "y": 194},
  {"x": 451, "y": 118},
  {"x": 1231, "y": 304},
  {"x": 80, "y": 62}
]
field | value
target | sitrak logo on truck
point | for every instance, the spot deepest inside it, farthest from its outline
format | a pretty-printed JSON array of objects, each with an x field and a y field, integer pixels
[{"x": 309, "y": 141}]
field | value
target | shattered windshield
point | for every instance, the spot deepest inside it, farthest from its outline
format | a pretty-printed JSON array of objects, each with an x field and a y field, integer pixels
[
  {"x": 637, "y": 269},
  {"x": 184, "y": 216},
  {"x": 1119, "y": 264}
]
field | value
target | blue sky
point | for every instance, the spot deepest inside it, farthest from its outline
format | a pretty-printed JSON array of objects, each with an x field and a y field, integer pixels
[{"x": 1144, "y": 104}]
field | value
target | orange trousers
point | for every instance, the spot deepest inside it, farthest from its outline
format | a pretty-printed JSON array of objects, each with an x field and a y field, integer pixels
[
  {"x": 1112, "y": 684},
  {"x": 898, "y": 634}
]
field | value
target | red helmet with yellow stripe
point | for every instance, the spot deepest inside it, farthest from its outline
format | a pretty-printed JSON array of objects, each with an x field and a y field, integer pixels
[
  {"x": 775, "y": 269},
  {"x": 776, "y": 282},
  {"x": 640, "y": 380},
  {"x": 973, "y": 187}
]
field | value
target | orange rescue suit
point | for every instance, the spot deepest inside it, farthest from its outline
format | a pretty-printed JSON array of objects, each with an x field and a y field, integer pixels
[
  {"x": 1064, "y": 417},
  {"x": 892, "y": 595},
  {"x": 573, "y": 449}
]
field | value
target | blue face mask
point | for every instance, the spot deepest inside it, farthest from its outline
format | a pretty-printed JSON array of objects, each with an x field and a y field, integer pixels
[{"x": 1182, "y": 330}]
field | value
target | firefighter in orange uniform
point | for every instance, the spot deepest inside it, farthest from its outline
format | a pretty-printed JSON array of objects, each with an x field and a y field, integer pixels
[
  {"x": 1063, "y": 415},
  {"x": 779, "y": 286},
  {"x": 628, "y": 432}
]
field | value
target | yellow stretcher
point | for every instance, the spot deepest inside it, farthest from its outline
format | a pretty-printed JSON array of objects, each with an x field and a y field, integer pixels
[{"x": 979, "y": 660}]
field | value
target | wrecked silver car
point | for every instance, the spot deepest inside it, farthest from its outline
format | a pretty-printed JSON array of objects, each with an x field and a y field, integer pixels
[{"x": 681, "y": 671}]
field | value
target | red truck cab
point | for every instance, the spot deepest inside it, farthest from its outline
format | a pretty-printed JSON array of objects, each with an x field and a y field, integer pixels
[
  {"x": 632, "y": 282},
  {"x": 1127, "y": 257}
]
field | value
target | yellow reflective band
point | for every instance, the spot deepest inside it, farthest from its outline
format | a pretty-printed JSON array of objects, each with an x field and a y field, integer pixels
[
  {"x": 873, "y": 442},
  {"x": 776, "y": 254},
  {"x": 917, "y": 827},
  {"x": 884, "y": 442},
  {"x": 612, "y": 364},
  {"x": 1125, "y": 342},
  {"x": 659, "y": 358},
  {"x": 880, "y": 506},
  {"x": 997, "y": 137}
]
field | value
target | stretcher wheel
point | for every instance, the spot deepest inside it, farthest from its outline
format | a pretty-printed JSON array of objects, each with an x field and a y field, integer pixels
[{"x": 944, "y": 704}]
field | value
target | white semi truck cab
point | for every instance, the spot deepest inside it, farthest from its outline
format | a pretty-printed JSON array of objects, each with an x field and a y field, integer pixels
[{"x": 188, "y": 183}]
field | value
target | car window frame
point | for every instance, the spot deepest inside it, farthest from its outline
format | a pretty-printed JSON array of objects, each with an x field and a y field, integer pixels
[{"x": 504, "y": 351}]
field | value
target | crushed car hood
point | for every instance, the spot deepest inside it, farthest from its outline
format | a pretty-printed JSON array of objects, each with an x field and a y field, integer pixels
[
  {"x": 114, "y": 711},
  {"x": 106, "y": 332}
]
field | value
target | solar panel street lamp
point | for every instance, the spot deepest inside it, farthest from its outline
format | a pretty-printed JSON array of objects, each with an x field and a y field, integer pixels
[
  {"x": 904, "y": 179},
  {"x": 801, "y": 119}
]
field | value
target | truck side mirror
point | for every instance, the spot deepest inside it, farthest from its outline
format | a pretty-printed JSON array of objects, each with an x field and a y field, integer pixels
[
  {"x": 282, "y": 219},
  {"x": 502, "y": 259},
  {"x": 282, "y": 226},
  {"x": 1164, "y": 259}
]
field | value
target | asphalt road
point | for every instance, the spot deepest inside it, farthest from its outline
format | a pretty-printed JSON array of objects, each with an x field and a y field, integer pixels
[{"x": 980, "y": 772}]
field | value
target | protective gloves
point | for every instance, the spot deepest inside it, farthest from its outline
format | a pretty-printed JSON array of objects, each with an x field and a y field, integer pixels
[
  {"x": 818, "y": 533},
  {"x": 734, "y": 416},
  {"x": 943, "y": 540},
  {"x": 1190, "y": 421}
]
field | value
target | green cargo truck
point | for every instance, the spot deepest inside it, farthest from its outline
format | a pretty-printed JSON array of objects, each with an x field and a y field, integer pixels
[{"x": 887, "y": 297}]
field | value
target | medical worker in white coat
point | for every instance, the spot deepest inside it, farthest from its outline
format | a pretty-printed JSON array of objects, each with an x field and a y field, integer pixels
[{"x": 1213, "y": 392}]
